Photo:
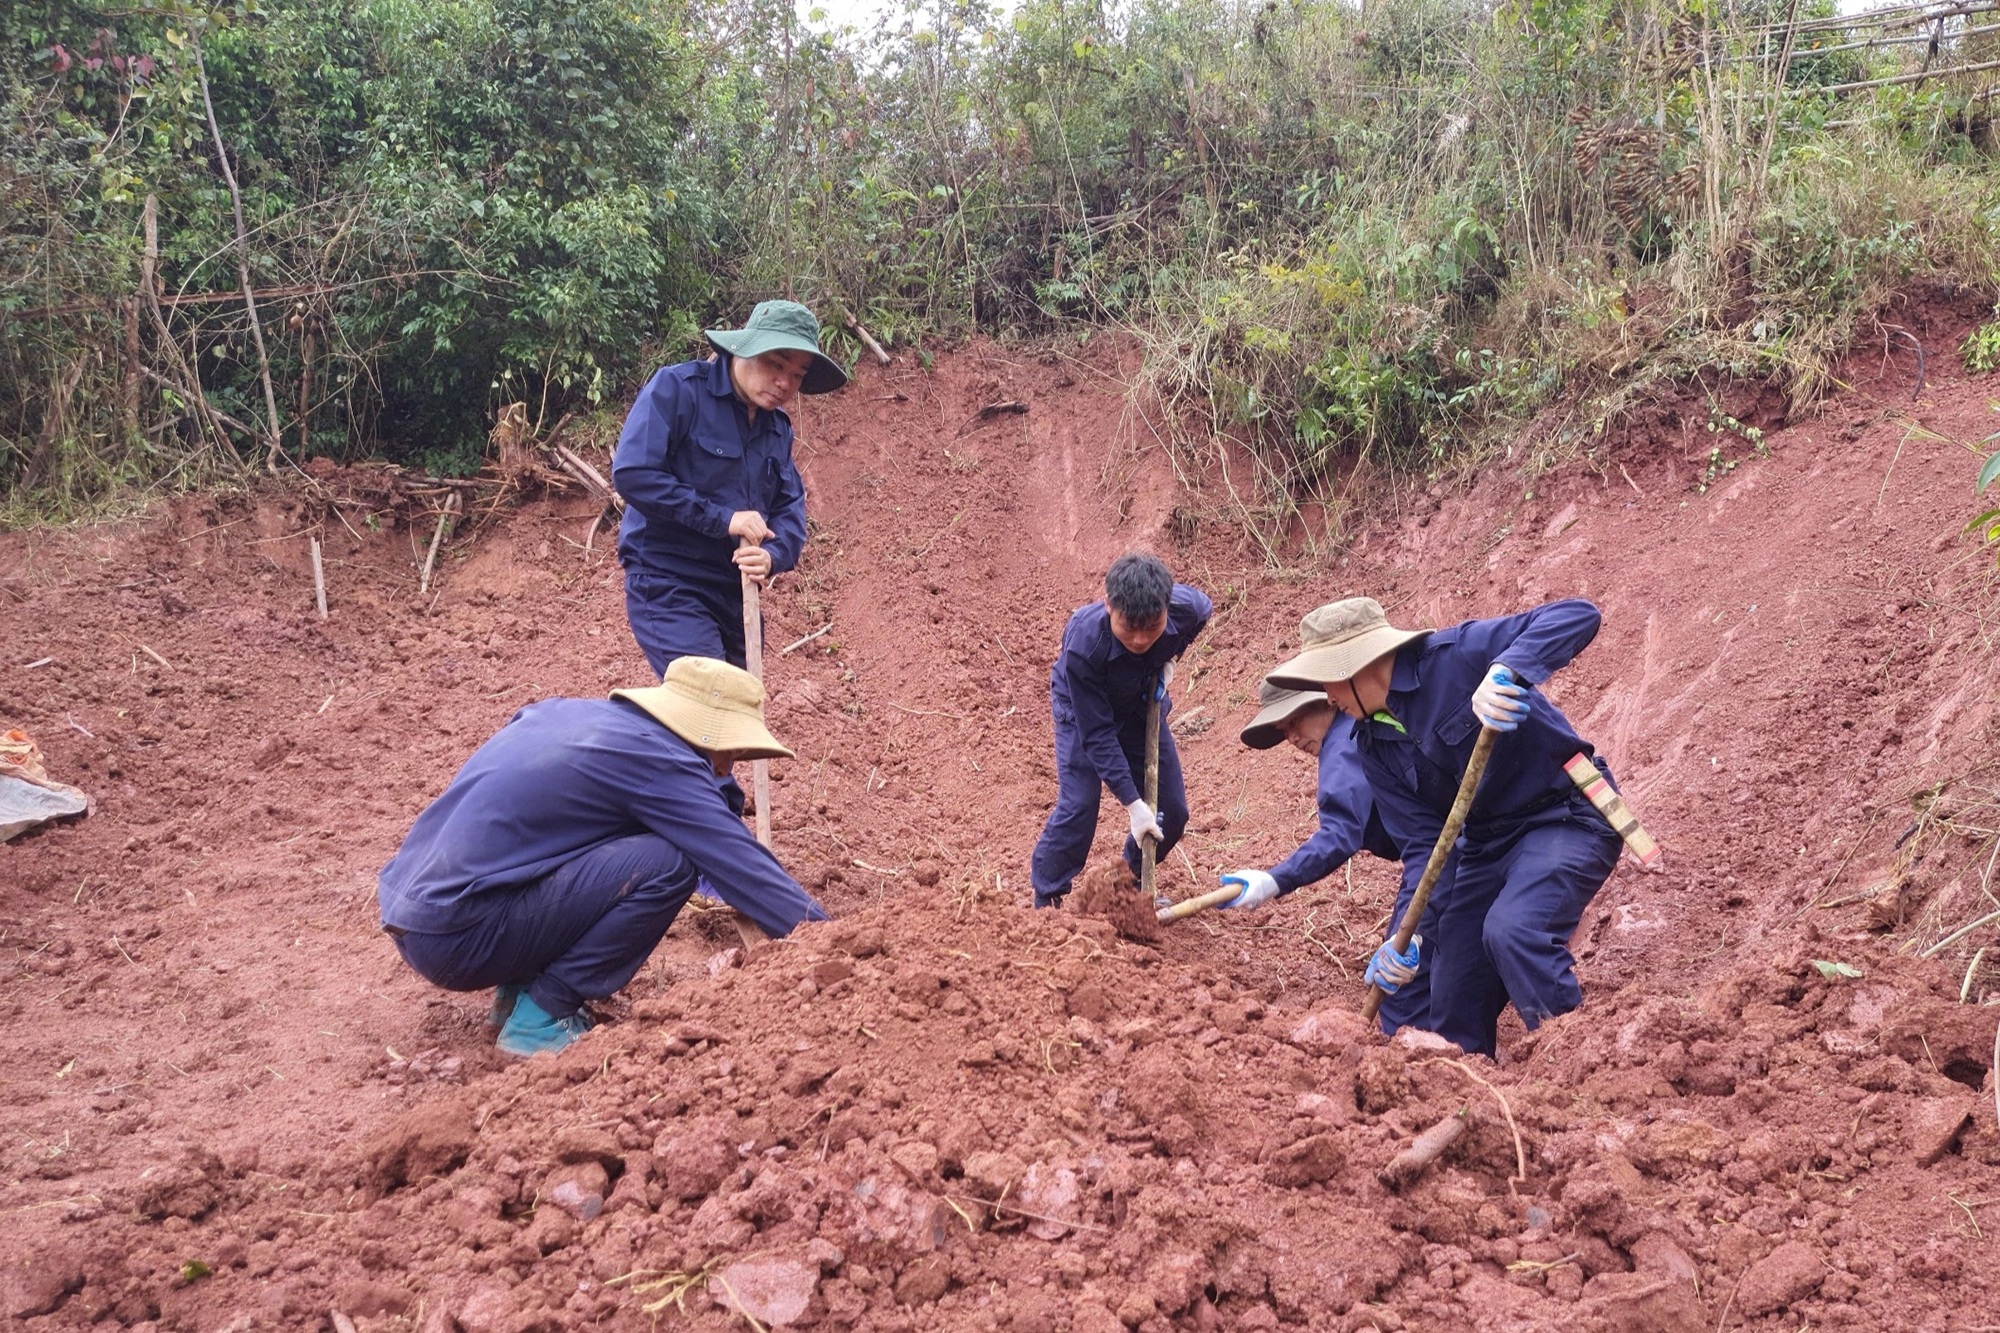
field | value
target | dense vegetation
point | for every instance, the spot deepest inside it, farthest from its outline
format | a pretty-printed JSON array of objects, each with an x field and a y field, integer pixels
[{"x": 1385, "y": 229}]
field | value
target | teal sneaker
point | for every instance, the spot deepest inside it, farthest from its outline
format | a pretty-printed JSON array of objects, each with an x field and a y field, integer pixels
[
  {"x": 531, "y": 1031},
  {"x": 503, "y": 1005}
]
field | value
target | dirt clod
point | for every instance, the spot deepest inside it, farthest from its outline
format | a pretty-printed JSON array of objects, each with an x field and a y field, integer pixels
[{"x": 1112, "y": 892}]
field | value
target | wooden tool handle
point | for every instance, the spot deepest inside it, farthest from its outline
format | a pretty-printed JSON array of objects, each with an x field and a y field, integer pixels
[
  {"x": 1148, "y": 848},
  {"x": 1454, "y": 823},
  {"x": 1199, "y": 903},
  {"x": 760, "y": 769},
  {"x": 753, "y": 657}
]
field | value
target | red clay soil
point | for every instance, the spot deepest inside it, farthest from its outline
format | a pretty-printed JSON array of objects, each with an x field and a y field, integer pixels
[{"x": 228, "y": 1106}]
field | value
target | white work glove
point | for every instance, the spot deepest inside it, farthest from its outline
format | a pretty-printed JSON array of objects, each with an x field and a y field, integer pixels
[
  {"x": 1166, "y": 679},
  {"x": 1499, "y": 702},
  {"x": 1144, "y": 825},
  {"x": 1257, "y": 885}
]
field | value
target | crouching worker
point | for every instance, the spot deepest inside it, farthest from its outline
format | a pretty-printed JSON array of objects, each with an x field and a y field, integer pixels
[
  {"x": 1348, "y": 824},
  {"x": 557, "y": 858},
  {"x": 1534, "y": 850},
  {"x": 1117, "y": 656}
]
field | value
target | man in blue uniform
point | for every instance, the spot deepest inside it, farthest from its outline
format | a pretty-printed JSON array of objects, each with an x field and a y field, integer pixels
[
  {"x": 1534, "y": 850},
  {"x": 1117, "y": 656},
  {"x": 711, "y": 494},
  {"x": 1348, "y": 823},
  {"x": 562, "y": 851}
]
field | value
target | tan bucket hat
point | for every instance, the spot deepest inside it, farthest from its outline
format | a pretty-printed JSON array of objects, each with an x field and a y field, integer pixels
[
  {"x": 712, "y": 706},
  {"x": 1337, "y": 640},
  {"x": 1277, "y": 705}
]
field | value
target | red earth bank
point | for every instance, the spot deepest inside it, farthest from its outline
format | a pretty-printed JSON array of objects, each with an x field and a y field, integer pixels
[{"x": 229, "y": 1107}]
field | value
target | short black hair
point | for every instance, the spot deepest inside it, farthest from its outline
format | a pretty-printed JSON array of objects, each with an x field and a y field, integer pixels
[{"x": 1138, "y": 587}]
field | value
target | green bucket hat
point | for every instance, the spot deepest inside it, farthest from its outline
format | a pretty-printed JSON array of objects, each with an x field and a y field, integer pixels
[{"x": 783, "y": 326}]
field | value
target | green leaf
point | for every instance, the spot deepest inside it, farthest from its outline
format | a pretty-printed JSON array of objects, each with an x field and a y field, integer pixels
[
  {"x": 1835, "y": 971},
  {"x": 194, "y": 1270},
  {"x": 1990, "y": 472}
]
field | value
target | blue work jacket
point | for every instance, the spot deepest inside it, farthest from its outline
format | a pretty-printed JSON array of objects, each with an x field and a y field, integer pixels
[
  {"x": 1414, "y": 769},
  {"x": 689, "y": 458},
  {"x": 563, "y": 777},
  {"x": 1347, "y": 819},
  {"x": 1102, "y": 689}
]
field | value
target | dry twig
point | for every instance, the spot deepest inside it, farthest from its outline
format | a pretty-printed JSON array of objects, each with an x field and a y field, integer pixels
[{"x": 1520, "y": 1155}]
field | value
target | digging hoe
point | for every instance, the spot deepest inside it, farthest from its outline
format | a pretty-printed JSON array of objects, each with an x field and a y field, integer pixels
[{"x": 1468, "y": 787}]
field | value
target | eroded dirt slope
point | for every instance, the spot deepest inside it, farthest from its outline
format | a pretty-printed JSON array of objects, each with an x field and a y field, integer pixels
[{"x": 943, "y": 1111}]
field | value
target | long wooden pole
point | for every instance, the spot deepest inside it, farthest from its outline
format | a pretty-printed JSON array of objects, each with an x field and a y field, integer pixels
[
  {"x": 1148, "y": 848},
  {"x": 1454, "y": 824},
  {"x": 760, "y": 769}
]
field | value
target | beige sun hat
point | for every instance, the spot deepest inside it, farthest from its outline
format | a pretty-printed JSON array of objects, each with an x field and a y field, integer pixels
[
  {"x": 1278, "y": 705},
  {"x": 712, "y": 706},
  {"x": 1337, "y": 640}
]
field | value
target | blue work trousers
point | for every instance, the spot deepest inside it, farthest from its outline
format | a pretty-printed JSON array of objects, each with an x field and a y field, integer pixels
[
  {"x": 580, "y": 933},
  {"x": 1503, "y": 930},
  {"x": 681, "y": 618},
  {"x": 1066, "y": 838}
]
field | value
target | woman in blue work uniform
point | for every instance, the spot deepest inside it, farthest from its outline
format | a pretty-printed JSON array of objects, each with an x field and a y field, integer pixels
[
  {"x": 711, "y": 493},
  {"x": 1534, "y": 851}
]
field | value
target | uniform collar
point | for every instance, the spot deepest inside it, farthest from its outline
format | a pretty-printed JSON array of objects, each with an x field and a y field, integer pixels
[
  {"x": 1407, "y": 675},
  {"x": 718, "y": 376}
]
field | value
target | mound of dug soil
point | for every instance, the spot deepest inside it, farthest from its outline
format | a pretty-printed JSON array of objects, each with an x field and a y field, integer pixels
[{"x": 896, "y": 1122}]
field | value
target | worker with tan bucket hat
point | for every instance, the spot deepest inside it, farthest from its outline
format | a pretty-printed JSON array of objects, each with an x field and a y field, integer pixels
[
  {"x": 1348, "y": 824},
  {"x": 555, "y": 861},
  {"x": 1534, "y": 849}
]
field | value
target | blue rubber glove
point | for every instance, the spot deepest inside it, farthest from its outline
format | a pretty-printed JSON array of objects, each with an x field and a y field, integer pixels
[
  {"x": 1499, "y": 702},
  {"x": 1391, "y": 970},
  {"x": 1257, "y": 888}
]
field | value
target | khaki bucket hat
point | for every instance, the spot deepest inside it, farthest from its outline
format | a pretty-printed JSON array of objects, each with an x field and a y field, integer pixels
[
  {"x": 1337, "y": 640},
  {"x": 712, "y": 706},
  {"x": 1277, "y": 705},
  {"x": 783, "y": 326}
]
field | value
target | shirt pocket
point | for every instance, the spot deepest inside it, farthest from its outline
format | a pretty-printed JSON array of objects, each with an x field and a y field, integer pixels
[{"x": 712, "y": 463}]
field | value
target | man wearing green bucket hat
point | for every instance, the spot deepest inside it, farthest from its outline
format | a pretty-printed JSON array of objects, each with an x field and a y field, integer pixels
[{"x": 705, "y": 466}]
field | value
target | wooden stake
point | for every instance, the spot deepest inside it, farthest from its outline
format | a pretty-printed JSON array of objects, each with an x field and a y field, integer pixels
[
  {"x": 319, "y": 580},
  {"x": 437, "y": 539},
  {"x": 1468, "y": 787}
]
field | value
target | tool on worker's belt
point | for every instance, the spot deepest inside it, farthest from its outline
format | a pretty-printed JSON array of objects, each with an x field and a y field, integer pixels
[
  {"x": 1612, "y": 806},
  {"x": 1200, "y": 903},
  {"x": 760, "y": 769},
  {"x": 1148, "y": 848},
  {"x": 1468, "y": 787}
]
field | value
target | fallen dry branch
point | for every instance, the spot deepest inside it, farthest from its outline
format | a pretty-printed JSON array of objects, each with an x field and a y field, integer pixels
[
  {"x": 1430, "y": 1145},
  {"x": 868, "y": 341},
  {"x": 591, "y": 479}
]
